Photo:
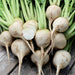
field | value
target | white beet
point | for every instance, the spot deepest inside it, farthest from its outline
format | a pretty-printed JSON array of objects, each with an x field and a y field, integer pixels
[
  {"x": 20, "y": 49},
  {"x": 52, "y": 13},
  {"x": 42, "y": 38},
  {"x": 29, "y": 29},
  {"x": 28, "y": 33},
  {"x": 16, "y": 28},
  {"x": 6, "y": 40},
  {"x": 61, "y": 60},
  {"x": 59, "y": 41},
  {"x": 61, "y": 24},
  {"x": 36, "y": 58}
]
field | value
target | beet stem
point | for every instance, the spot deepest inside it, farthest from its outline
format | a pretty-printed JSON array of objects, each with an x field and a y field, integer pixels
[
  {"x": 50, "y": 22},
  {"x": 20, "y": 63},
  {"x": 58, "y": 70},
  {"x": 8, "y": 54},
  {"x": 28, "y": 44}
]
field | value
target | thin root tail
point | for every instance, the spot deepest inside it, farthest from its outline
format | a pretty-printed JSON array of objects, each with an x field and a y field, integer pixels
[{"x": 8, "y": 54}]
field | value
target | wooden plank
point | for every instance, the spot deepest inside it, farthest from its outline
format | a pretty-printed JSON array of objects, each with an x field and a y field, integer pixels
[
  {"x": 28, "y": 68},
  {"x": 72, "y": 72},
  {"x": 4, "y": 66}
]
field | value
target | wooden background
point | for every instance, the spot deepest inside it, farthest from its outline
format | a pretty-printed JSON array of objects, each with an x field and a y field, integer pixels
[{"x": 28, "y": 68}]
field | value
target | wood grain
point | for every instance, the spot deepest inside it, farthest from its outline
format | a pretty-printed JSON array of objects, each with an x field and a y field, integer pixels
[{"x": 5, "y": 68}]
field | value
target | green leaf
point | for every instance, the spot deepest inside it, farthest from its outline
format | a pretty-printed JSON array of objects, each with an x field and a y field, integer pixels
[
  {"x": 29, "y": 1},
  {"x": 1, "y": 8}
]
